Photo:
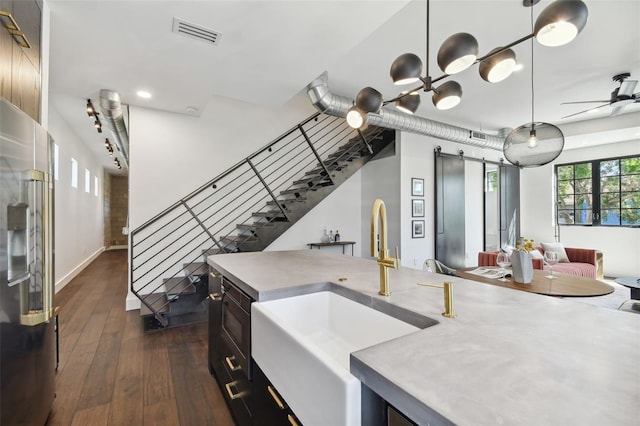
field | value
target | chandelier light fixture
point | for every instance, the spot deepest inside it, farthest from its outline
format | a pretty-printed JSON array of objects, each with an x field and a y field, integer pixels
[
  {"x": 533, "y": 144},
  {"x": 558, "y": 24}
]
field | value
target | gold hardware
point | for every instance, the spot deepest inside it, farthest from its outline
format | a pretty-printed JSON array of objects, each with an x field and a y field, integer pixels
[
  {"x": 379, "y": 212},
  {"x": 292, "y": 420},
  {"x": 230, "y": 392},
  {"x": 448, "y": 297},
  {"x": 342, "y": 280},
  {"x": 229, "y": 361},
  {"x": 275, "y": 397},
  {"x": 215, "y": 297},
  {"x": 15, "y": 31}
]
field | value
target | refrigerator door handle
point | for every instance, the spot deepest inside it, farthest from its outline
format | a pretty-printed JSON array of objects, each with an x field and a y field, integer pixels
[{"x": 20, "y": 279}]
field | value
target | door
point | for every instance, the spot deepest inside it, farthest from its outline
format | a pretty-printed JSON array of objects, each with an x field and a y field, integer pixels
[{"x": 450, "y": 210}]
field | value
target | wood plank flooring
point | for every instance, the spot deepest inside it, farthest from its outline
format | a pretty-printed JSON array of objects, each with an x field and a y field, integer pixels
[{"x": 111, "y": 373}]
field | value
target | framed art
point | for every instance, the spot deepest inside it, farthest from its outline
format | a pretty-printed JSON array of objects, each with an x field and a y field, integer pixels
[
  {"x": 417, "y": 187},
  {"x": 417, "y": 229},
  {"x": 417, "y": 208}
]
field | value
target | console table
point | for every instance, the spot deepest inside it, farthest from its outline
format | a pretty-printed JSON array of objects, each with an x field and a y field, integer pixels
[{"x": 339, "y": 243}]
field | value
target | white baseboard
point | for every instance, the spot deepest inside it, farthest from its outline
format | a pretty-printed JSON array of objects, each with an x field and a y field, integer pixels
[
  {"x": 75, "y": 271},
  {"x": 132, "y": 302},
  {"x": 122, "y": 247}
]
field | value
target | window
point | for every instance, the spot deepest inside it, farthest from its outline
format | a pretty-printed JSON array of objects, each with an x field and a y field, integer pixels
[
  {"x": 74, "y": 172},
  {"x": 56, "y": 161},
  {"x": 87, "y": 181},
  {"x": 601, "y": 192},
  {"x": 95, "y": 186}
]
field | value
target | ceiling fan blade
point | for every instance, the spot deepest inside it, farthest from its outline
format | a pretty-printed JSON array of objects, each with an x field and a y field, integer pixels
[
  {"x": 585, "y": 102},
  {"x": 586, "y": 110},
  {"x": 626, "y": 87}
]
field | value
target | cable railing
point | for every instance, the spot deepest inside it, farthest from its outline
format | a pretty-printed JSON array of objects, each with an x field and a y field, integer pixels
[{"x": 224, "y": 214}]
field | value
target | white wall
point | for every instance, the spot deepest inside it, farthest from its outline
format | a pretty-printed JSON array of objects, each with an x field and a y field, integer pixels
[
  {"x": 417, "y": 154},
  {"x": 621, "y": 246},
  {"x": 173, "y": 154},
  {"x": 79, "y": 226},
  {"x": 340, "y": 210},
  {"x": 381, "y": 179}
]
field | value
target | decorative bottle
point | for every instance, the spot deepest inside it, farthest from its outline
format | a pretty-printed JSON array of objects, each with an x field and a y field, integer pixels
[
  {"x": 337, "y": 236},
  {"x": 331, "y": 237},
  {"x": 325, "y": 237}
]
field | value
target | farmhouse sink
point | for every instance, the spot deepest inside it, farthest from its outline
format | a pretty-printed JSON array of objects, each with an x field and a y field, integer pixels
[{"x": 303, "y": 344}]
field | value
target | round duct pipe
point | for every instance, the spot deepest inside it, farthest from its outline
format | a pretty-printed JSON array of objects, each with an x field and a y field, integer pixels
[{"x": 331, "y": 104}]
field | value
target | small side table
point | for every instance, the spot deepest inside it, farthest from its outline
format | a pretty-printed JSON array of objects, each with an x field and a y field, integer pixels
[
  {"x": 633, "y": 283},
  {"x": 339, "y": 243}
]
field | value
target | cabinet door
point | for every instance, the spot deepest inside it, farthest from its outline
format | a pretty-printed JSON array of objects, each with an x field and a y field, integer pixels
[
  {"x": 269, "y": 407},
  {"x": 6, "y": 53},
  {"x": 28, "y": 16}
]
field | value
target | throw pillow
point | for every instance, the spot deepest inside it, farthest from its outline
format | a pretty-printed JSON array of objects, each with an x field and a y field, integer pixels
[
  {"x": 508, "y": 249},
  {"x": 558, "y": 248},
  {"x": 535, "y": 254}
]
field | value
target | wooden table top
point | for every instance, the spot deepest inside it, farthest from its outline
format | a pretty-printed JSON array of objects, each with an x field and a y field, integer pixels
[{"x": 564, "y": 285}]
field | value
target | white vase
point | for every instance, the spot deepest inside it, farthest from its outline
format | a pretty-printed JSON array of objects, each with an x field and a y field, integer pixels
[{"x": 522, "y": 265}]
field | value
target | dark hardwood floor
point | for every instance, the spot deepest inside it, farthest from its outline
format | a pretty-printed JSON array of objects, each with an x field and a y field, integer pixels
[{"x": 111, "y": 373}]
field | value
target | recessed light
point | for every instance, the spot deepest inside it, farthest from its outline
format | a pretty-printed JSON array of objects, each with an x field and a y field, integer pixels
[
  {"x": 143, "y": 94},
  {"x": 518, "y": 67},
  {"x": 191, "y": 110}
]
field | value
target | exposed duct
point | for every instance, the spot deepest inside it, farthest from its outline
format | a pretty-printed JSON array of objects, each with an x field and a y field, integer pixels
[
  {"x": 112, "y": 114},
  {"x": 336, "y": 105}
]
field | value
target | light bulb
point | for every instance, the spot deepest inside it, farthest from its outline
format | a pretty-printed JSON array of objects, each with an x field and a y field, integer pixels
[
  {"x": 533, "y": 139},
  {"x": 355, "y": 118}
]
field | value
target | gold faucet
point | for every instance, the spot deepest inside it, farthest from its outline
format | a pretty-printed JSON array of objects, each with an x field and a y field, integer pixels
[{"x": 379, "y": 212}]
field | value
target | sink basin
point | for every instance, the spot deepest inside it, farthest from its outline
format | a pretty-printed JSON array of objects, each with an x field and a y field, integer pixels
[{"x": 302, "y": 343}]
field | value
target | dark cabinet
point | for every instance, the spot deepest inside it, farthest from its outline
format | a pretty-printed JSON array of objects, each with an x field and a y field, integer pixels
[
  {"x": 229, "y": 345},
  {"x": 269, "y": 407},
  {"x": 20, "y": 76}
]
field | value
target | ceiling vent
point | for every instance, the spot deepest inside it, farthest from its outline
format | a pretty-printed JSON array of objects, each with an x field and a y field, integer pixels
[
  {"x": 477, "y": 136},
  {"x": 198, "y": 32}
]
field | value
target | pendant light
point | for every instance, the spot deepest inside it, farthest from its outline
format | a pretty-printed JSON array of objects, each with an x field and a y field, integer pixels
[
  {"x": 558, "y": 24},
  {"x": 533, "y": 144}
]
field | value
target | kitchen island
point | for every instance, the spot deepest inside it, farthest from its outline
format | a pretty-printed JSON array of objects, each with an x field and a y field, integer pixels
[{"x": 509, "y": 357}]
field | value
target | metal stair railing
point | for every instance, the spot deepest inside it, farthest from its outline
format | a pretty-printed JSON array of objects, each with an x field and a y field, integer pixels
[{"x": 205, "y": 221}]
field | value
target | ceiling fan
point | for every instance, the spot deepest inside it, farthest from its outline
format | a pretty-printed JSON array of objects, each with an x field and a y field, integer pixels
[{"x": 620, "y": 97}]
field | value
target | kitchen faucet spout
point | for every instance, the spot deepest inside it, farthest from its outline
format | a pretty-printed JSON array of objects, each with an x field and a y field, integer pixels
[{"x": 379, "y": 214}]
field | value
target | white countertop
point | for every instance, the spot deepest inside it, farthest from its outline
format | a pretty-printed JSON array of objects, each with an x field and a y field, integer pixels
[{"x": 510, "y": 357}]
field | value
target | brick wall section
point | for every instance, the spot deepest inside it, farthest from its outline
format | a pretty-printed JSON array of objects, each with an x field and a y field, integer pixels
[
  {"x": 116, "y": 210},
  {"x": 106, "y": 188}
]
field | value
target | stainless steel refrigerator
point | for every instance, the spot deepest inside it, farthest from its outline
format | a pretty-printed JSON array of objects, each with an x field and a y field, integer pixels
[{"x": 27, "y": 314}]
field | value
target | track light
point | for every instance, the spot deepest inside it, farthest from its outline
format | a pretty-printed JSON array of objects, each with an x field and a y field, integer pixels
[
  {"x": 90, "y": 109},
  {"x": 559, "y": 23}
]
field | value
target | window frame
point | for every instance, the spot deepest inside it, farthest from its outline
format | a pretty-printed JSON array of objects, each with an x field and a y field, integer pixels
[{"x": 596, "y": 193}]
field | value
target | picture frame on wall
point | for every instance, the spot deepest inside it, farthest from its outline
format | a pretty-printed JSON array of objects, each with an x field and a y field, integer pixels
[
  {"x": 417, "y": 208},
  {"x": 417, "y": 229},
  {"x": 417, "y": 187}
]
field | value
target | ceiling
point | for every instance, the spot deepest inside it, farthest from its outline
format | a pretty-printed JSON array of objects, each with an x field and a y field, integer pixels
[{"x": 271, "y": 49}]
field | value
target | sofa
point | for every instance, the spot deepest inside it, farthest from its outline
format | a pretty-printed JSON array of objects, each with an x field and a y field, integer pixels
[{"x": 582, "y": 262}]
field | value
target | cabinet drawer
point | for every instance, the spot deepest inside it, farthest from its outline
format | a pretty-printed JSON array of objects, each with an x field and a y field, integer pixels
[{"x": 237, "y": 392}]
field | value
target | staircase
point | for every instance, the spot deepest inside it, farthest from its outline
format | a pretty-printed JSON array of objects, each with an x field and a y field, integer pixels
[{"x": 243, "y": 209}]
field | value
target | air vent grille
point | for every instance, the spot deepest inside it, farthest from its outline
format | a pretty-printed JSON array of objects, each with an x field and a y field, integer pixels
[
  {"x": 477, "y": 136},
  {"x": 198, "y": 32}
]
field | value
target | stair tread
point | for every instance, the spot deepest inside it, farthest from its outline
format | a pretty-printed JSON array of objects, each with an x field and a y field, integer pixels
[
  {"x": 287, "y": 200},
  {"x": 238, "y": 238},
  {"x": 195, "y": 268},
  {"x": 253, "y": 226},
  {"x": 178, "y": 285},
  {"x": 158, "y": 301},
  {"x": 294, "y": 191}
]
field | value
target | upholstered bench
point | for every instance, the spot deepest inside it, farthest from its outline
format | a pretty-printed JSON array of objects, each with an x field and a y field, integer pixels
[{"x": 582, "y": 262}]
